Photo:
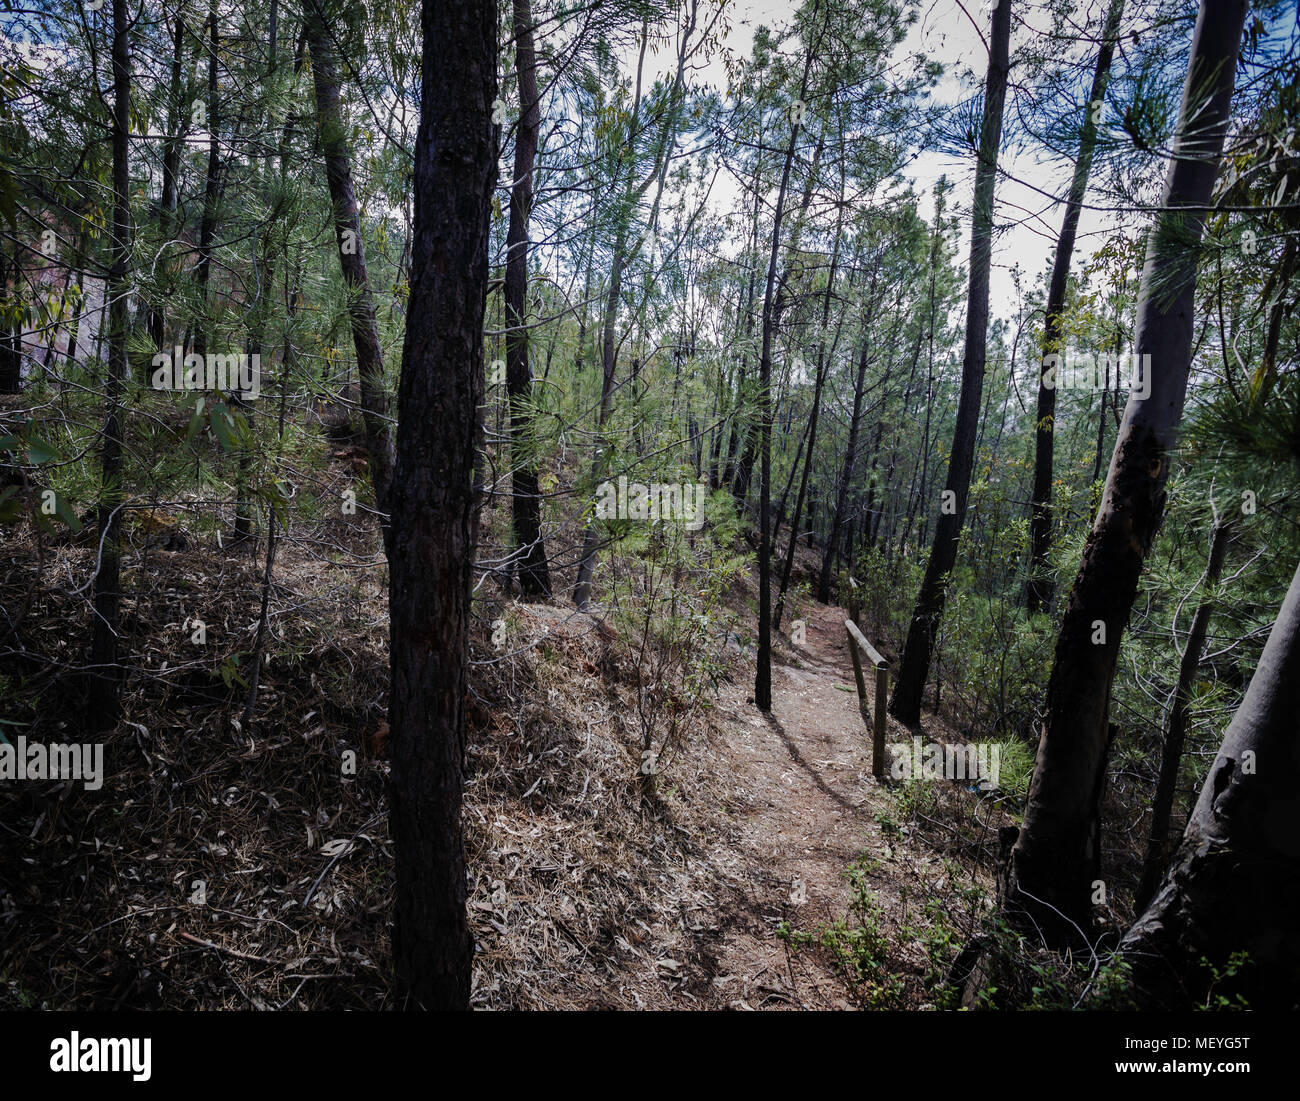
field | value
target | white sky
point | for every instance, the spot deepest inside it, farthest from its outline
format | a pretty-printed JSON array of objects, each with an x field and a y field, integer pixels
[{"x": 1027, "y": 221}]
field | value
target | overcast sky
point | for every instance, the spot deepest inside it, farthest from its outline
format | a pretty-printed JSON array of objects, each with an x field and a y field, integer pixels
[{"x": 1027, "y": 220}]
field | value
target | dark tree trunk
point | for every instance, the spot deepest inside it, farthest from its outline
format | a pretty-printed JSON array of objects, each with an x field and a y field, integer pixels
[
  {"x": 1057, "y": 859},
  {"x": 763, "y": 674},
  {"x": 824, "y": 356},
  {"x": 631, "y": 196},
  {"x": 433, "y": 500},
  {"x": 352, "y": 259},
  {"x": 871, "y": 514},
  {"x": 176, "y": 125},
  {"x": 823, "y": 368},
  {"x": 915, "y": 666},
  {"x": 1101, "y": 416},
  {"x": 105, "y": 686},
  {"x": 736, "y": 473},
  {"x": 74, "y": 330},
  {"x": 609, "y": 362},
  {"x": 257, "y": 332},
  {"x": 789, "y": 484},
  {"x": 211, "y": 188},
  {"x": 609, "y": 354},
  {"x": 11, "y": 337},
  {"x": 534, "y": 576},
  {"x": 1038, "y": 590},
  {"x": 1266, "y": 377},
  {"x": 580, "y": 356}
]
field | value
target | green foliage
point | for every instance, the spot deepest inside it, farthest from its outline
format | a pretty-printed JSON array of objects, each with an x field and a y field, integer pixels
[
  {"x": 229, "y": 673},
  {"x": 856, "y": 944},
  {"x": 1015, "y": 770},
  {"x": 1217, "y": 998},
  {"x": 670, "y": 618},
  {"x": 47, "y": 499},
  {"x": 1020, "y": 974}
]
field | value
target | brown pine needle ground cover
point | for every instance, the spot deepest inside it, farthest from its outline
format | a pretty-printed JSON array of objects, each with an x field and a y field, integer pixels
[{"x": 222, "y": 867}]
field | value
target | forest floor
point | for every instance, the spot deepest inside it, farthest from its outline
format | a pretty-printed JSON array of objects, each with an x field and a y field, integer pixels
[{"x": 217, "y": 867}]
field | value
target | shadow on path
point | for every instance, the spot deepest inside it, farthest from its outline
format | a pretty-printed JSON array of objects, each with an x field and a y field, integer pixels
[{"x": 811, "y": 772}]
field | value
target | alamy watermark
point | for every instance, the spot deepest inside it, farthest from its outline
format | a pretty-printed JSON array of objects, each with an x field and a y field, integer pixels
[
  {"x": 53, "y": 761},
  {"x": 1084, "y": 371},
  {"x": 130, "y": 1055},
  {"x": 980, "y": 761},
  {"x": 229, "y": 373},
  {"x": 682, "y": 501}
]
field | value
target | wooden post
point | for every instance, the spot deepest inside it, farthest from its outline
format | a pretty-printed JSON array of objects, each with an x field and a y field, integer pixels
[
  {"x": 878, "y": 721},
  {"x": 857, "y": 670},
  {"x": 853, "y": 604},
  {"x": 878, "y": 727}
]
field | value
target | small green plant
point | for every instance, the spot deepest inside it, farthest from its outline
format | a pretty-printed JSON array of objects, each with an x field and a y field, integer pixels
[
  {"x": 938, "y": 938},
  {"x": 1015, "y": 770},
  {"x": 1216, "y": 999},
  {"x": 1112, "y": 988},
  {"x": 917, "y": 797},
  {"x": 228, "y": 670},
  {"x": 856, "y": 944}
]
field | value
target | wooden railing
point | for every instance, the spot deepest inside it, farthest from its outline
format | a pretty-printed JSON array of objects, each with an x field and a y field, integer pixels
[{"x": 858, "y": 646}]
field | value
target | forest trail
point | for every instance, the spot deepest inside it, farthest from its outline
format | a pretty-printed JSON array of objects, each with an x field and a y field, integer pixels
[
  {"x": 720, "y": 892},
  {"x": 810, "y": 810}
]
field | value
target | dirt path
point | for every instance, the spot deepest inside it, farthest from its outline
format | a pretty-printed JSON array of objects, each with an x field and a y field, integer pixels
[
  {"x": 690, "y": 906},
  {"x": 807, "y": 807}
]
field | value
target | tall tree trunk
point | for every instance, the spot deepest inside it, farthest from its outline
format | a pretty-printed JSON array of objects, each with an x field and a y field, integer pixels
[
  {"x": 850, "y": 452},
  {"x": 176, "y": 125},
  {"x": 1038, "y": 590},
  {"x": 211, "y": 187},
  {"x": 1172, "y": 752},
  {"x": 1261, "y": 385},
  {"x": 921, "y": 477},
  {"x": 105, "y": 686},
  {"x": 870, "y": 514},
  {"x": 1234, "y": 880},
  {"x": 207, "y": 235},
  {"x": 936, "y": 241},
  {"x": 352, "y": 259},
  {"x": 609, "y": 362},
  {"x": 736, "y": 473},
  {"x": 915, "y": 666},
  {"x": 787, "y": 569},
  {"x": 795, "y": 469},
  {"x": 286, "y": 374},
  {"x": 609, "y": 346},
  {"x": 824, "y": 357},
  {"x": 1101, "y": 415},
  {"x": 763, "y": 673},
  {"x": 1056, "y": 859},
  {"x": 745, "y": 469},
  {"x": 11, "y": 335},
  {"x": 257, "y": 330},
  {"x": 433, "y": 500},
  {"x": 579, "y": 357},
  {"x": 74, "y": 329},
  {"x": 534, "y": 576}
]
